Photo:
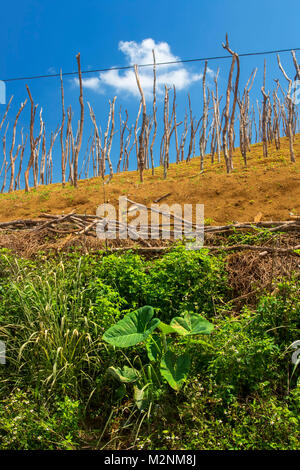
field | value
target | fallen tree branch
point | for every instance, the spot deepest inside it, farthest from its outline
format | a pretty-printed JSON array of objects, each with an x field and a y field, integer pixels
[
  {"x": 162, "y": 197},
  {"x": 87, "y": 223}
]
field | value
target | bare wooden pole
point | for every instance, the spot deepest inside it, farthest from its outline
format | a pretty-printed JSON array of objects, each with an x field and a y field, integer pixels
[
  {"x": 141, "y": 152},
  {"x": 183, "y": 136},
  {"x": 17, "y": 180},
  {"x": 264, "y": 115},
  {"x": 154, "y": 113},
  {"x": 216, "y": 105},
  {"x": 43, "y": 159},
  {"x": 79, "y": 140},
  {"x": 97, "y": 136},
  {"x": 203, "y": 139},
  {"x": 13, "y": 156},
  {"x": 297, "y": 67},
  {"x": 276, "y": 117},
  {"x": 37, "y": 150},
  {"x": 32, "y": 142},
  {"x": 112, "y": 105},
  {"x": 290, "y": 111},
  {"x": 6, "y": 112},
  {"x": 236, "y": 87},
  {"x": 69, "y": 142},
  {"x": 166, "y": 132},
  {"x": 227, "y": 129},
  {"x": 127, "y": 150},
  {"x": 5, "y": 163},
  {"x": 62, "y": 143},
  {"x": 193, "y": 130},
  {"x": 123, "y": 127}
]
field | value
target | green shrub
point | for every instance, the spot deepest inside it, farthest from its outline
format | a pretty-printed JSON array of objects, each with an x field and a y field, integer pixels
[
  {"x": 25, "y": 425},
  {"x": 53, "y": 312},
  {"x": 125, "y": 273},
  {"x": 208, "y": 423},
  {"x": 107, "y": 304},
  {"x": 181, "y": 280},
  {"x": 279, "y": 315},
  {"x": 186, "y": 280}
]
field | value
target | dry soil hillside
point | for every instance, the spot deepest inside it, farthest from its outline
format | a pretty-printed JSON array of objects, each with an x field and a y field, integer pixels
[{"x": 270, "y": 186}]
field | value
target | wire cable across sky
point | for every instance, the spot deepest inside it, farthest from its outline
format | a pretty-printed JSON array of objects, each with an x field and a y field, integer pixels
[{"x": 127, "y": 67}]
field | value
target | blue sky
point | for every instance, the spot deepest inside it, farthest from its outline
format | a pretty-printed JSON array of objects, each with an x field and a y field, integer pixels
[{"x": 39, "y": 37}]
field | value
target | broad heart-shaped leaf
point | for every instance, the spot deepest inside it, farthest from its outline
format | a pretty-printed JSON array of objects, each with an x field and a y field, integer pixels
[
  {"x": 191, "y": 324},
  {"x": 154, "y": 347},
  {"x": 175, "y": 369},
  {"x": 134, "y": 328},
  {"x": 166, "y": 329},
  {"x": 126, "y": 375}
]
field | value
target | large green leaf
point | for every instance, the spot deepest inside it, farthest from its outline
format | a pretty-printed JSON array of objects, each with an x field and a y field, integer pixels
[
  {"x": 175, "y": 369},
  {"x": 166, "y": 329},
  {"x": 154, "y": 347},
  {"x": 125, "y": 375},
  {"x": 191, "y": 324},
  {"x": 134, "y": 328}
]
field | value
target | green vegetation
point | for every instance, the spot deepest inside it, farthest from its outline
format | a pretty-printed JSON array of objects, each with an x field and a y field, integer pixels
[
  {"x": 137, "y": 327},
  {"x": 108, "y": 351}
]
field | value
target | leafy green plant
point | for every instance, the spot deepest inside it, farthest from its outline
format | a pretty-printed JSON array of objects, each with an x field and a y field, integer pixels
[
  {"x": 186, "y": 280},
  {"x": 126, "y": 274},
  {"x": 106, "y": 303},
  {"x": 178, "y": 281},
  {"x": 241, "y": 386},
  {"x": 26, "y": 425},
  {"x": 279, "y": 314},
  {"x": 138, "y": 327},
  {"x": 256, "y": 237}
]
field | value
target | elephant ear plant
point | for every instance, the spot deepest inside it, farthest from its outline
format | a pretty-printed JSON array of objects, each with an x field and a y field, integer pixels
[{"x": 140, "y": 327}]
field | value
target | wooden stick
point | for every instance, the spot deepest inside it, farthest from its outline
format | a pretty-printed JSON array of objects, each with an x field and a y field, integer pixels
[{"x": 79, "y": 140}]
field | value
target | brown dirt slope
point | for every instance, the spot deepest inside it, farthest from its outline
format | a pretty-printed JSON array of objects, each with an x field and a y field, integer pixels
[{"x": 268, "y": 186}]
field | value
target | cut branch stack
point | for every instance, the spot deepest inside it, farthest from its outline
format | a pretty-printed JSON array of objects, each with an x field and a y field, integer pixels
[{"x": 86, "y": 224}]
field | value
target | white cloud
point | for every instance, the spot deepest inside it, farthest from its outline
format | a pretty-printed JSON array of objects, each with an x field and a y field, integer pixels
[
  {"x": 51, "y": 70},
  {"x": 141, "y": 53},
  {"x": 92, "y": 83}
]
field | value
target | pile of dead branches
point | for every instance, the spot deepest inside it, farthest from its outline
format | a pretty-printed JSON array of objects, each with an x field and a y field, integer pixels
[{"x": 88, "y": 225}]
